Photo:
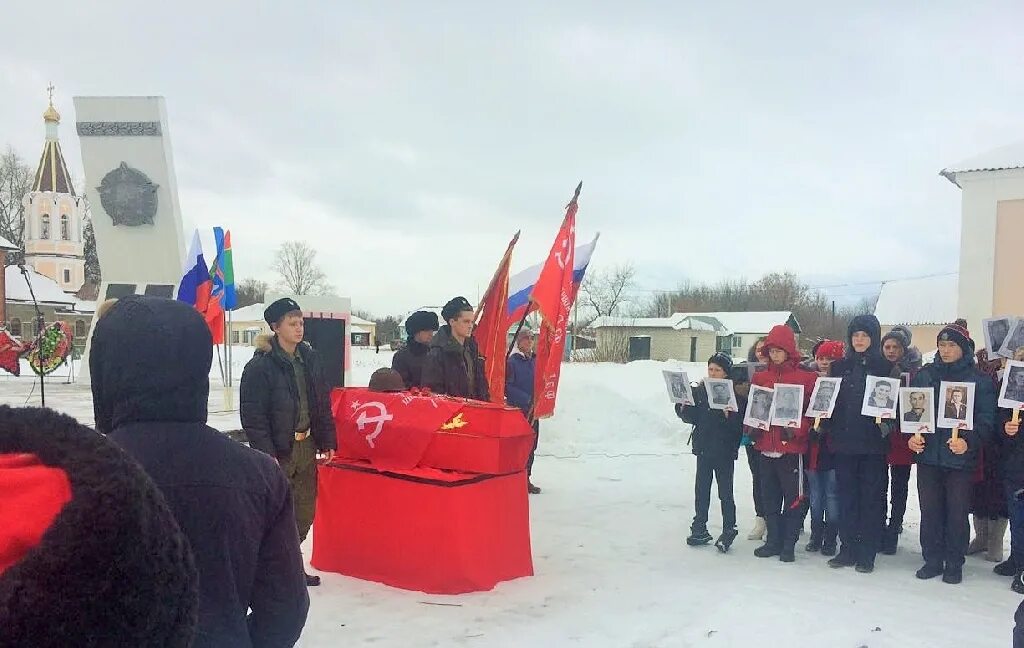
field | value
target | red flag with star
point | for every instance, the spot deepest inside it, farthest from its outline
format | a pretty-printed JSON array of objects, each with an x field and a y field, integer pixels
[{"x": 553, "y": 296}]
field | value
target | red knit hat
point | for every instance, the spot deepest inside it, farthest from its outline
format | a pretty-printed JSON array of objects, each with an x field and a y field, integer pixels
[{"x": 831, "y": 350}]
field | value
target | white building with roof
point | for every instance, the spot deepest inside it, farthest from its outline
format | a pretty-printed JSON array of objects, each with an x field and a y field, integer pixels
[
  {"x": 924, "y": 305},
  {"x": 690, "y": 337},
  {"x": 992, "y": 233}
]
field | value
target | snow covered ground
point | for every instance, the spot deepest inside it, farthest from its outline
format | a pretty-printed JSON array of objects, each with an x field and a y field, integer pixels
[{"x": 612, "y": 568}]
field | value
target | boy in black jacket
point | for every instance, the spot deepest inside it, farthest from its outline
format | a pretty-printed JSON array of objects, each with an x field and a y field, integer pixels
[{"x": 716, "y": 441}]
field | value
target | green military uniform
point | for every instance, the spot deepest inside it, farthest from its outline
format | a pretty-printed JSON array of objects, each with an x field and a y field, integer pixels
[{"x": 300, "y": 467}]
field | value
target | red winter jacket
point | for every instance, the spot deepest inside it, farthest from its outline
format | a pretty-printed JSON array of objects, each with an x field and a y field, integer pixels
[{"x": 789, "y": 373}]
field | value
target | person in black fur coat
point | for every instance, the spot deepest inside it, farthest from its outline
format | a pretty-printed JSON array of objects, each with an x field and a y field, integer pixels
[
  {"x": 90, "y": 553},
  {"x": 408, "y": 361},
  {"x": 150, "y": 365}
]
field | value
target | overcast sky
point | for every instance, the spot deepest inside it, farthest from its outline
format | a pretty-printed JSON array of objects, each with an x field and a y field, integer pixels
[{"x": 408, "y": 141}]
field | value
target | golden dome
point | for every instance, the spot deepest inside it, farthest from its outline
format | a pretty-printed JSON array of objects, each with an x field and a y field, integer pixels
[{"x": 51, "y": 115}]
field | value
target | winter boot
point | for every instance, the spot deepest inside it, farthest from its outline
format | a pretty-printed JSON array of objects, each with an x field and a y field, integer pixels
[
  {"x": 890, "y": 539},
  {"x": 980, "y": 542},
  {"x": 829, "y": 540},
  {"x": 793, "y": 523},
  {"x": 817, "y": 537},
  {"x": 699, "y": 536},
  {"x": 930, "y": 570},
  {"x": 531, "y": 488},
  {"x": 953, "y": 575},
  {"x": 1008, "y": 568},
  {"x": 312, "y": 581},
  {"x": 996, "y": 531},
  {"x": 773, "y": 538},
  {"x": 725, "y": 540},
  {"x": 1018, "y": 583},
  {"x": 847, "y": 558},
  {"x": 757, "y": 533}
]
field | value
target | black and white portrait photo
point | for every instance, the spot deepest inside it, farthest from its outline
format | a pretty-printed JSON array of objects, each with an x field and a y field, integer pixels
[
  {"x": 917, "y": 410},
  {"x": 1014, "y": 339},
  {"x": 996, "y": 329},
  {"x": 823, "y": 398},
  {"x": 678, "y": 387},
  {"x": 956, "y": 407},
  {"x": 1011, "y": 393},
  {"x": 721, "y": 395},
  {"x": 759, "y": 407},
  {"x": 788, "y": 406},
  {"x": 880, "y": 397}
]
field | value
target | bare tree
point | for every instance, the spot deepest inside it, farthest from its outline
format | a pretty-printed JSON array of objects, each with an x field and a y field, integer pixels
[
  {"x": 15, "y": 182},
  {"x": 250, "y": 291},
  {"x": 295, "y": 263},
  {"x": 605, "y": 292}
]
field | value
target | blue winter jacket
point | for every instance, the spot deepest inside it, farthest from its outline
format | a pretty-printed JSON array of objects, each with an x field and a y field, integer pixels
[
  {"x": 519, "y": 381},
  {"x": 936, "y": 452}
]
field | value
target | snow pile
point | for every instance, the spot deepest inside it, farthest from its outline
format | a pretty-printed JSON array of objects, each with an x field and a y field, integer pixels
[{"x": 612, "y": 409}]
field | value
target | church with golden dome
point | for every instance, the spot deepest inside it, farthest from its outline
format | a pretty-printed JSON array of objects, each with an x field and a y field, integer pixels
[{"x": 54, "y": 213}]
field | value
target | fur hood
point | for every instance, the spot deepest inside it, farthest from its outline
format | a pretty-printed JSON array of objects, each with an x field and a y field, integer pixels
[{"x": 265, "y": 344}]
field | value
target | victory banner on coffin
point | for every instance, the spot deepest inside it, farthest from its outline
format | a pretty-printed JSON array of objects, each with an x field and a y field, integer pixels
[{"x": 401, "y": 431}]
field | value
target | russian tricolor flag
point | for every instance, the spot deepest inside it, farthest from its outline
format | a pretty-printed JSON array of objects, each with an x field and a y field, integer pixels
[
  {"x": 196, "y": 287},
  {"x": 521, "y": 284}
]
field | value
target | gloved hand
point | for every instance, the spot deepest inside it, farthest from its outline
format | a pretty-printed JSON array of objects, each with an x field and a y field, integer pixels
[
  {"x": 679, "y": 410},
  {"x": 813, "y": 435}
]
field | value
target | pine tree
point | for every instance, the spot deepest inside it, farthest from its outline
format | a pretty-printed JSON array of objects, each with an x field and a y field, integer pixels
[{"x": 92, "y": 261}]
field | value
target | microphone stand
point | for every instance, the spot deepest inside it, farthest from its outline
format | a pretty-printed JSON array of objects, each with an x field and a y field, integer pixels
[{"x": 41, "y": 328}]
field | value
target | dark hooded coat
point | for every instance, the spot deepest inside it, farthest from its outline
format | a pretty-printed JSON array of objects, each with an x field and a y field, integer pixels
[{"x": 150, "y": 364}]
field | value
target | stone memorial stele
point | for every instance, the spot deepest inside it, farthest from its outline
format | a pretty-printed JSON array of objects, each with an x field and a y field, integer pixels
[{"x": 131, "y": 187}]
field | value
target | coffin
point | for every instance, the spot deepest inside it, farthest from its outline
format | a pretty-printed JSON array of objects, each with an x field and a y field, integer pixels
[
  {"x": 424, "y": 529},
  {"x": 401, "y": 431}
]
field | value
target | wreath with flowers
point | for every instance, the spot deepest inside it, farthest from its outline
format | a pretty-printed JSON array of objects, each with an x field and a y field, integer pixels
[{"x": 51, "y": 349}]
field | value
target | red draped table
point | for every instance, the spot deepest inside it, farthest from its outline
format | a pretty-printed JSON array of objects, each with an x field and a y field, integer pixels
[{"x": 426, "y": 493}]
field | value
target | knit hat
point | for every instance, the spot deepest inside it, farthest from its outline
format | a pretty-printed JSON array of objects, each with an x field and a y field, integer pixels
[
  {"x": 150, "y": 361},
  {"x": 830, "y": 350},
  {"x": 907, "y": 333},
  {"x": 957, "y": 332},
  {"x": 90, "y": 553},
  {"x": 723, "y": 361},
  {"x": 452, "y": 309},
  {"x": 386, "y": 380},
  {"x": 525, "y": 333},
  {"x": 421, "y": 321},
  {"x": 279, "y": 309},
  {"x": 897, "y": 334}
]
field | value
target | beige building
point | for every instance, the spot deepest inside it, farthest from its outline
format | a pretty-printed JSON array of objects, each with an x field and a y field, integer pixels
[
  {"x": 246, "y": 323},
  {"x": 679, "y": 337},
  {"x": 54, "y": 244},
  {"x": 991, "y": 234}
]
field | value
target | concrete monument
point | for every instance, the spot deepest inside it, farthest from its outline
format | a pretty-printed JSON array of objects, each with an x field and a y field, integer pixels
[{"x": 126, "y": 154}]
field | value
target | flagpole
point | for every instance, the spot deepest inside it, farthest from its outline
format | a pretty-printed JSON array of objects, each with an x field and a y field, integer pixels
[
  {"x": 519, "y": 328},
  {"x": 490, "y": 285}
]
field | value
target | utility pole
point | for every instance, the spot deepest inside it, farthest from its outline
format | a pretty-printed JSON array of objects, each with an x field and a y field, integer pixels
[{"x": 833, "y": 316}]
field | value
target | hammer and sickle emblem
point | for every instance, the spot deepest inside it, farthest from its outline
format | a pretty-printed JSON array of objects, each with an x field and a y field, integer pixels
[
  {"x": 455, "y": 423},
  {"x": 377, "y": 420}
]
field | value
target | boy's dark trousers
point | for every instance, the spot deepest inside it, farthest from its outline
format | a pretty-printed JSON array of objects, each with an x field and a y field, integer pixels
[
  {"x": 945, "y": 497},
  {"x": 862, "y": 484},
  {"x": 722, "y": 470}
]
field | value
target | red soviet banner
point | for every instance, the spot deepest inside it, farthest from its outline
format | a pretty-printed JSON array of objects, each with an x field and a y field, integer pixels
[
  {"x": 553, "y": 296},
  {"x": 390, "y": 430}
]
